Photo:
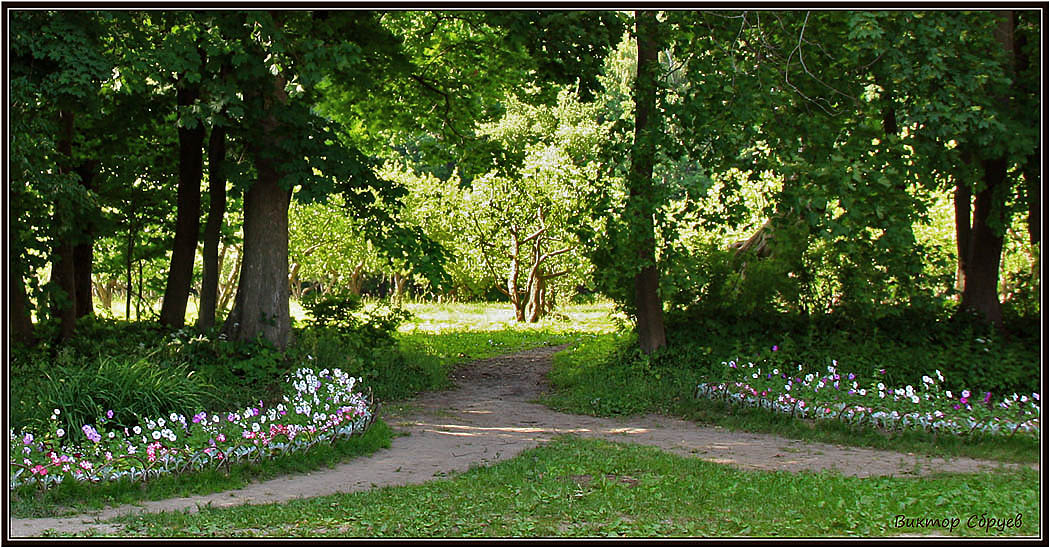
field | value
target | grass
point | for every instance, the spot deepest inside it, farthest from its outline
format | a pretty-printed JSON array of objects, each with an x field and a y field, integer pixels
[
  {"x": 432, "y": 347},
  {"x": 76, "y": 497},
  {"x": 440, "y": 336},
  {"x": 590, "y": 488},
  {"x": 595, "y": 378}
]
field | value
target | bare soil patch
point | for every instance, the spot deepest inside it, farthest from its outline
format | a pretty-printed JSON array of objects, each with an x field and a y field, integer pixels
[{"x": 490, "y": 417}]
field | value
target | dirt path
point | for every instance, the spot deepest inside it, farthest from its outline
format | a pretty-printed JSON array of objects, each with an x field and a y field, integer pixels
[{"x": 489, "y": 418}]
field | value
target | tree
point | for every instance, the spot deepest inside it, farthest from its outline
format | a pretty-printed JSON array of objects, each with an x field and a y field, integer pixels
[
  {"x": 641, "y": 197},
  {"x": 58, "y": 65},
  {"x": 517, "y": 217},
  {"x": 191, "y": 133}
]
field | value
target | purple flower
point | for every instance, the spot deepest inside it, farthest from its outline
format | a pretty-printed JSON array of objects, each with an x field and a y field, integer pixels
[
  {"x": 109, "y": 414},
  {"x": 987, "y": 397},
  {"x": 852, "y": 376},
  {"x": 775, "y": 348}
]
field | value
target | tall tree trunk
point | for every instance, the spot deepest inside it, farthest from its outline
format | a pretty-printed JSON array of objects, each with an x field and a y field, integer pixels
[
  {"x": 83, "y": 251},
  {"x": 213, "y": 227},
  {"x": 963, "y": 231},
  {"x": 128, "y": 260},
  {"x": 641, "y": 195},
  {"x": 261, "y": 304},
  {"x": 187, "y": 216},
  {"x": 62, "y": 273},
  {"x": 981, "y": 276}
]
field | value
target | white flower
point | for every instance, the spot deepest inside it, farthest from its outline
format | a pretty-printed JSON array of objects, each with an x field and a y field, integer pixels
[
  {"x": 949, "y": 394},
  {"x": 56, "y": 412},
  {"x": 966, "y": 393},
  {"x": 137, "y": 430},
  {"x": 60, "y": 432},
  {"x": 914, "y": 399},
  {"x": 160, "y": 423},
  {"x": 156, "y": 435},
  {"x": 174, "y": 417},
  {"x": 881, "y": 387}
]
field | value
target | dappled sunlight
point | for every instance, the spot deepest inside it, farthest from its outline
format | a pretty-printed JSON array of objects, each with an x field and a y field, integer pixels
[{"x": 441, "y": 317}]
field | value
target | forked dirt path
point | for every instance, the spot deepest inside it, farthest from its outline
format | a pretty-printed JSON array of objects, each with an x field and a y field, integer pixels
[{"x": 489, "y": 417}]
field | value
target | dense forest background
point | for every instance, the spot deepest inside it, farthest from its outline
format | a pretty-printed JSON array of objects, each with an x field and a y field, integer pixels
[{"x": 206, "y": 168}]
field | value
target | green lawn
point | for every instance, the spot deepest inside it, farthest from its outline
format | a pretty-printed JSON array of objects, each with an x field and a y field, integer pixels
[{"x": 589, "y": 488}]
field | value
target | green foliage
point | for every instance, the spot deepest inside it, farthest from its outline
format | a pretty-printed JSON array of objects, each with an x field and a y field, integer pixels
[
  {"x": 333, "y": 309},
  {"x": 135, "y": 388},
  {"x": 576, "y": 487},
  {"x": 607, "y": 375}
]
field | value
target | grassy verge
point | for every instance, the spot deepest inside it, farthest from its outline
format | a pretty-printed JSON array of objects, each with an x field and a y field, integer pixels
[
  {"x": 77, "y": 497},
  {"x": 590, "y": 488},
  {"x": 596, "y": 377}
]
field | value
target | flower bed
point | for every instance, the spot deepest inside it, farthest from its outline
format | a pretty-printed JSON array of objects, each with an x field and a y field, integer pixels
[
  {"x": 320, "y": 407},
  {"x": 833, "y": 395}
]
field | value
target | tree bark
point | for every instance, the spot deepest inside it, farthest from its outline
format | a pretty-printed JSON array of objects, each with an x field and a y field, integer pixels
[
  {"x": 400, "y": 284},
  {"x": 128, "y": 259},
  {"x": 83, "y": 250},
  {"x": 641, "y": 195},
  {"x": 62, "y": 273},
  {"x": 261, "y": 304},
  {"x": 187, "y": 217},
  {"x": 981, "y": 275},
  {"x": 512, "y": 279},
  {"x": 213, "y": 227},
  {"x": 963, "y": 202}
]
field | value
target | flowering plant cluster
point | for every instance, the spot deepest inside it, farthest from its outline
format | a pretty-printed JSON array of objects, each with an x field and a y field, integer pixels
[
  {"x": 838, "y": 395},
  {"x": 318, "y": 407}
]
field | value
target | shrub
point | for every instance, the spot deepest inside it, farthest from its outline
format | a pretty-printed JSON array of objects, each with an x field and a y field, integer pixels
[{"x": 136, "y": 387}]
